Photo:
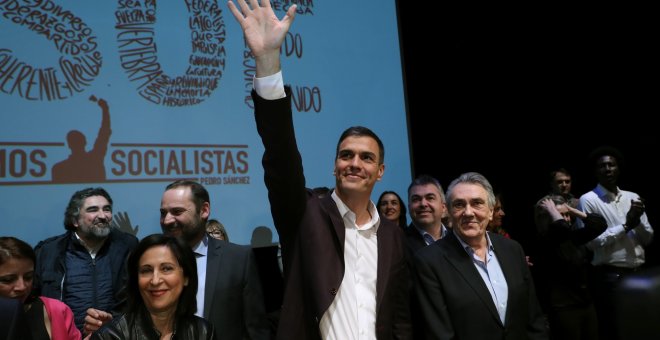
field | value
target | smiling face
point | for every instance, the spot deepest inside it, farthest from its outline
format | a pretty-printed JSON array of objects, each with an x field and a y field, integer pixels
[
  {"x": 179, "y": 216},
  {"x": 94, "y": 218},
  {"x": 16, "y": 278},
  {"x": 470, "y": 211},
  {"x": 426, "y": 205},
  {"x": 390, "y": 207},
  {"x": 357, "y": 167},
  {"x": 160, "y": 280}
]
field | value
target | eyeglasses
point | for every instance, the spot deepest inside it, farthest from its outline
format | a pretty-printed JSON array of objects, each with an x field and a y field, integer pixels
[{"x": 216, "y": 233}]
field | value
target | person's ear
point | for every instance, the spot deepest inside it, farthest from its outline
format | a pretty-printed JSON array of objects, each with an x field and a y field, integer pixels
[
  {"x": 381, "y": 172},
  {"x": 205, "y": 211}
]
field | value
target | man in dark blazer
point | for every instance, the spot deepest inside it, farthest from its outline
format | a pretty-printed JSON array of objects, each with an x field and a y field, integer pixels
[
  {"x": 345, "y": 269},
  {"x": 472, "y": 284},
  {"x": 426, "y": 204},
  {"x": 233, "y": 300},
  {"x": 229, "y": 294}
]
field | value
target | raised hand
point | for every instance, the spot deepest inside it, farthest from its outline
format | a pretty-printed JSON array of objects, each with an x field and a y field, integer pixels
[
  {"x": 263, "y": 31},
  {"x": 103, "y": 104},
  {"x": 122, "y": 222},
  {"x": 100, "y": 101},
  {"x": 575, "y": 212},
  {"x": 633, "y": 216},
  {"x": 553, "y": 211}
]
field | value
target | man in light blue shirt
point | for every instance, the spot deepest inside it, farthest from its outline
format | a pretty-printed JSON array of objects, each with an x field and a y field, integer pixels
[
  {"x": 426, "y": 204},
  {"x": 472, "y": 284}
]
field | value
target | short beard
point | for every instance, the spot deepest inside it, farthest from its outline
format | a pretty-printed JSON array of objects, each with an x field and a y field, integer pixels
[
  {"x": 97, "y": 232},
  {"x": 190, "y": 235}
]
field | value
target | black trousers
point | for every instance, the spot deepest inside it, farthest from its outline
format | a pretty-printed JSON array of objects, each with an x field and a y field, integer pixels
[{"x": 605, "y": 281}]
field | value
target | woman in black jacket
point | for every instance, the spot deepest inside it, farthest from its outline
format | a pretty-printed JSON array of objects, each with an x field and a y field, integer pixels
[{"x": 161, "y": 289}]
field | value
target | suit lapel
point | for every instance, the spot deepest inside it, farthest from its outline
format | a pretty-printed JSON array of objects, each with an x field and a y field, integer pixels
[
  {"x": 414, "y": 237},
  {"x": 330, "y": 207},
  {"x": 506, "y": 258},
  {"x": 460, "y": 259},
  {"x": 214, "y": 257},
  {"x": 385, "y": 244},
  {"x": 508, "y": 262}
]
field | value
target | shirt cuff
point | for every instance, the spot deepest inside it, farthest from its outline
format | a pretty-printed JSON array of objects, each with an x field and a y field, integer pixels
[
  {"x": 624, "y": 229},
  {"x": 270, "y": 87}
]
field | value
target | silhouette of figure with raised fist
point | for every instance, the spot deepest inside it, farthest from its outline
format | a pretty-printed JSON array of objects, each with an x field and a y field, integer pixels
[{"x": 83, "y": 166}]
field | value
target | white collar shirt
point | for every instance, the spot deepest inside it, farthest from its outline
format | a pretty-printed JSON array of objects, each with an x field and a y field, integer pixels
[
  {"x": 352, "y": 314},
  {"x": 615, "y": 246}
]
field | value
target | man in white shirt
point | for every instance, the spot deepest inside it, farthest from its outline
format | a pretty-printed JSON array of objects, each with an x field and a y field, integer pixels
[
  {"x": 345, "y": 272},
  {"x": 620, "y": 249}
]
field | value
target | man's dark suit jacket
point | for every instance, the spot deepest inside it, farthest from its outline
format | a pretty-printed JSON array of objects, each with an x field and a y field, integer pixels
[
  {"x": 455, "y": 302},
  {"x": 233, "y": 301},
  {"x": 414, "y": 239},
  {"x": 312, "y": 232}
]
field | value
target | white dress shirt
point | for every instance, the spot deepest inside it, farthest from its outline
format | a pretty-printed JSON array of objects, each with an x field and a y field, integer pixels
[
  {"x": 352, "y": 314},
  {"x": 615, "y": 246}
]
